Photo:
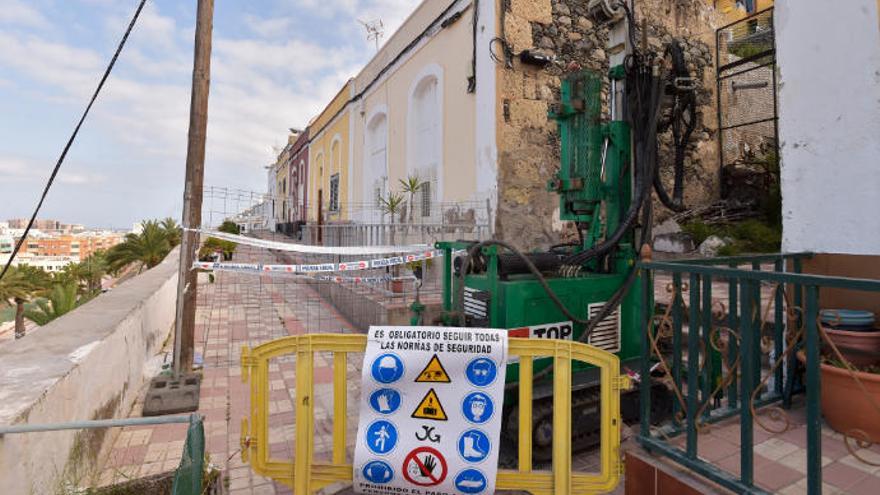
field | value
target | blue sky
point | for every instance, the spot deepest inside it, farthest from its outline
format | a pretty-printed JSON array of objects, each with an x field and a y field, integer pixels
[{"x": 275, "y": 64}]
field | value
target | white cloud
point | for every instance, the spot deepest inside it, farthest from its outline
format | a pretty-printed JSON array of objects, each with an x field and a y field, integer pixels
[
  {"x": 261, "y": 84},
  {"x": 16, "y": 12}
]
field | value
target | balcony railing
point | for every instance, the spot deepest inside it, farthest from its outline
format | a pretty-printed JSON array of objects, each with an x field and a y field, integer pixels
[{"x": 735, "y": 355}]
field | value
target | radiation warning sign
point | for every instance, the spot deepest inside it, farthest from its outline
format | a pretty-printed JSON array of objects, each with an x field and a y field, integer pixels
[
  {"x": 430, "y": 408},
  {"x": 430, "y": 414},
  {"x": 434, "y": 372}
]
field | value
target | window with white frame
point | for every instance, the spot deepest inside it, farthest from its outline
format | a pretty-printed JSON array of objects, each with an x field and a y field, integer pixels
[
  {"x": 334, "y": 192},
  {"x": 425, "y": 138},
  {"x": 376, "y": 160}
]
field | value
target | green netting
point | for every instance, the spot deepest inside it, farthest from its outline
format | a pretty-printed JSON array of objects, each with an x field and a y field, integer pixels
[{"x": 188, "y": 477}]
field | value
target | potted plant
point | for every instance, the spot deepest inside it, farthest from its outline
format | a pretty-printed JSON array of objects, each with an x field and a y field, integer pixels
[
  {"x": 850, "y": 393},
  {"x": 854, "y": 334},
  {"x": 392, "y": 205}
]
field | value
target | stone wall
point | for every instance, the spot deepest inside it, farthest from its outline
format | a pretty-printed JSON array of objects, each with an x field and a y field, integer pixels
[
  {"x": 89, "y": 364},
  {"x": 528, "y": 148}
]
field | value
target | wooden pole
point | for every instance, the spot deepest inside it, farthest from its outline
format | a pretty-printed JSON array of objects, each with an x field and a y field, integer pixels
[{"x": 184, "y": 330}]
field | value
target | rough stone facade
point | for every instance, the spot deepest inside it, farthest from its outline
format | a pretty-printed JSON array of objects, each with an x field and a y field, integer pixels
[{"x": 528, "y": 148}]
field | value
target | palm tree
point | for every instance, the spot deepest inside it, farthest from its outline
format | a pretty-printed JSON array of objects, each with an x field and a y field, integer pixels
[
  {"x": 411, "y": 186},
  {"x": 147, "y": 249},
  {"x": 89, "y": 272},
  {"x": 62, "y": 300},
  {"x": 392, "y": 204},
  {"x": 172, "y": 231},
  {"x": 20, "y": 285}
]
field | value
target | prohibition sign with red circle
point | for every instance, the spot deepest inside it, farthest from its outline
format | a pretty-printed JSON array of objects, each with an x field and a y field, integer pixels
[{"x": 424, "y": 468}]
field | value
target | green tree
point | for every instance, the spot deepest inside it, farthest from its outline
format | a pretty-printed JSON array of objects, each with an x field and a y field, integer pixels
[
  {"x": 20, "y": 285},
  {"x": 63, "y": 299},
  {"x": 172, "y": 231},
  {"x": 146, "y": 249},
  {"x": 411, "y": 186},
  {"x": 229, "y": 227}
]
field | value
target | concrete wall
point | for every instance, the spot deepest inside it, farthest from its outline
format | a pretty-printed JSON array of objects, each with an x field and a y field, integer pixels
[
  {"x": 86, "y": 365},
  {"x": 829, "y": 123}
]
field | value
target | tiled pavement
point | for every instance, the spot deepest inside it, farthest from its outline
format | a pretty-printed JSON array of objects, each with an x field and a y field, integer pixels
[
  {"x": 240, "y": 309},
  {"x": 237, "y": 310},
  {"x": 780, "y": 464}
]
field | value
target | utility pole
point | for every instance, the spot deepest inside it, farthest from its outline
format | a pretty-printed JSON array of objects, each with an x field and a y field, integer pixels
[
  {"x": 181, "y": 393},
  {"x": 184, "y": 330}
]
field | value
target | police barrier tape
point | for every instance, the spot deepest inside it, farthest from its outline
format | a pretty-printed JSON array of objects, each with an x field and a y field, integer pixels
[
  {"x": 306, "y": 474},
  {"x": 307, "y": 249},
  {"x": 254, "y": 269},
  {"x": 344, "y": 266}
]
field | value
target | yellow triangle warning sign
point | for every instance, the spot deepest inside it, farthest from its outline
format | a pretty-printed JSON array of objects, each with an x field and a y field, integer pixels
[
  {"x": 433, "y": 372},
  {"x": 430, "y": 408}
]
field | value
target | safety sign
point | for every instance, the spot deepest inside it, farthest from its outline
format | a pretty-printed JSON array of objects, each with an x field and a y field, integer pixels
[
  {"x": 425, "y": 466},
  {"x": 433, "y": 372},
  {"x": 385, "y": 400},
  {"x": 430, "y": 413},
  {"x": 430, "y": 408},
  {"x": 378, "y": 472}
]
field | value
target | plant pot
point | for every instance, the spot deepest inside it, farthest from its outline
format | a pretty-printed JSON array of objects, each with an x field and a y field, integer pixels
[
  {"x": 844, "y": 404},
  {"x": 861, "y": 348},
  {"x": 397, "y": 286}
]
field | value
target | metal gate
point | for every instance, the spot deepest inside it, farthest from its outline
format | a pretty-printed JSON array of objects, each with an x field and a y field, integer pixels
[
  {"x": 748, "y": 133},
  {"x": 306, "y": 474}
]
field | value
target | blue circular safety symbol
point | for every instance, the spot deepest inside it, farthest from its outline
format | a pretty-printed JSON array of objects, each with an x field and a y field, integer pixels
[
  {"x": 387, "y": 368},
  {"x": 471, "y": 481},
  {"x": 477, "y": 408},
  {"x": 474, "y": 446},
  {"x": 481, "y": 371},
  {"x": 381, "y": 437},
  {"x": 385, "y": 400},
  {"x": 378, "y": 472}
]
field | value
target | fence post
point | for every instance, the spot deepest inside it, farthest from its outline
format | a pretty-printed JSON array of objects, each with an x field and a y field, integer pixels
[
  {"x": 693, "y": 363},
  {"x": 747, "y": 383},
  {"x": 814, "y": 415}
]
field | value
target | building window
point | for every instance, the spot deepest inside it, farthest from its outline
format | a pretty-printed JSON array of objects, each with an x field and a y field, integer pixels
[
  {"x": 376, "y": 170},
  {"x": 425, "y": 136},
  {"x": 425, "y": 192},
  {"x": 334, "y": 192}
]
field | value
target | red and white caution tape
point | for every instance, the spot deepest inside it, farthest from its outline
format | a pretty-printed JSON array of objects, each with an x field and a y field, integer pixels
[
  {"x": 306, "y": 249},
  {"x": 321, "y": 267}
]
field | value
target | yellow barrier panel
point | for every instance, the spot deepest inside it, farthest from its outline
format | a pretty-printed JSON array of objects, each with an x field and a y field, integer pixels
[{"x": 305, "y": 476}]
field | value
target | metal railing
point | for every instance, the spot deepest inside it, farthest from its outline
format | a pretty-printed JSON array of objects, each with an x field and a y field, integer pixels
[
  {"x": 304, "y": 475},
  {"x": 189, "y": 475},
  {"x": 383, "y": 234},
  {"x": 731, "y": 358}
]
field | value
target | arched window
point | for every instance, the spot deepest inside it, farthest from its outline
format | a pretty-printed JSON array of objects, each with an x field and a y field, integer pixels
[
  {"x": 335, "y": 167},
  {"x": 425, "y": 137},
  {"x": 375, "y": 159}
]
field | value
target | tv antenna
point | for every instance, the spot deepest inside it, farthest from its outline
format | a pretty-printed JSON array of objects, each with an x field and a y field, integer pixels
[{"x": 375, "y": 30}]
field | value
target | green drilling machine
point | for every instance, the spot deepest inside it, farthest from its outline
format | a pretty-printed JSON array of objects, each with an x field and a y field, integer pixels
[{"x": 584, "y": 290}]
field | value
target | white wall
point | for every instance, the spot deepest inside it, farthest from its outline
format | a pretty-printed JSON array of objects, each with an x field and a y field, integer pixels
[
  {"x": 829, "y": 124},
  {"x": 87, "y": 364}
]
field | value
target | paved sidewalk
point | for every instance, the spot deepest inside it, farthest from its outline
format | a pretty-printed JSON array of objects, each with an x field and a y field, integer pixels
[
  {"x": 239, "y": 310},
  {"x": 246, "y": 310}
]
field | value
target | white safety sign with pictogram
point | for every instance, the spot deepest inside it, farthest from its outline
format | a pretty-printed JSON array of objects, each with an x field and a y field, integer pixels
[{"x": 430, "y": 411}]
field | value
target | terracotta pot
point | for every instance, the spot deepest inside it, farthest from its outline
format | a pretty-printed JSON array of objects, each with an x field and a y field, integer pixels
[
  {"x": 397, "y": 286},
  {"x": 861, "y": 348},
  {"x": 844, "y": 404}
]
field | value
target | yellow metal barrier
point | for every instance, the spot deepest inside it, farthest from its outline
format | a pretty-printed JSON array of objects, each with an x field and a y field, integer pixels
[{"x": 305, "y": 476}]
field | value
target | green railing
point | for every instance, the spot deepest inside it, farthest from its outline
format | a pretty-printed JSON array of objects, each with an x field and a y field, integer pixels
[
  {"x": 743, "y": 354},
  {"x": 189, "y": 477}
]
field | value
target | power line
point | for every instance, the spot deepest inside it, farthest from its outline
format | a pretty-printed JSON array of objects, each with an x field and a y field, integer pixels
[{"x": 79, "y": 124}]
